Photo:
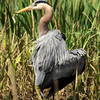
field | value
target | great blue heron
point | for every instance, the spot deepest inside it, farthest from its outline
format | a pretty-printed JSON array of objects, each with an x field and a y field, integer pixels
[{"x": 51, "y": 60}]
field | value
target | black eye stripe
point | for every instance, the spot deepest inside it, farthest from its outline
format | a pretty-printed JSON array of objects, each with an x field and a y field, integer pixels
[{"x": 37, "y": 2}]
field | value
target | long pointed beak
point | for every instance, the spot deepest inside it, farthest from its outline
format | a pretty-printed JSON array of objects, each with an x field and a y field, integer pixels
[{"x": 24, "y": 9}]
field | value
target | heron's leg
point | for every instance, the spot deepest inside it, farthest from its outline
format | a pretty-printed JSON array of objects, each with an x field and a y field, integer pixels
[
  {"x": 53, "y": 97},
  {"x": 38, "y": 91}
]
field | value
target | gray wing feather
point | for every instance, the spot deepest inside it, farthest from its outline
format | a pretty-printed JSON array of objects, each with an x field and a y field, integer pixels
[{"x": 75, "y": 60}]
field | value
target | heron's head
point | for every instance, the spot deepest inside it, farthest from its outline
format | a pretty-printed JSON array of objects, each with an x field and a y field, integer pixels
[{"x": 38, "y": 4}]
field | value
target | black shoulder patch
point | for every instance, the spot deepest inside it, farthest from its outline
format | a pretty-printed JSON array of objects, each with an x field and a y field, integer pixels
[{"x": 63, "y": 36}]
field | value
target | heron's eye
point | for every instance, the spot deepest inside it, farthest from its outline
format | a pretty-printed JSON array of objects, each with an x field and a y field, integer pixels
[{"x": 35, "y": 4}]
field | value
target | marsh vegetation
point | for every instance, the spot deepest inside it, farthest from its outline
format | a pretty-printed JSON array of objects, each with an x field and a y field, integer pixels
[{"x": 79, "y": 20}]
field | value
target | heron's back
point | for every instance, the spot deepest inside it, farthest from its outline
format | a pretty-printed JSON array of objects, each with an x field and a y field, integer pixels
[{"x": 75, "y": 60}]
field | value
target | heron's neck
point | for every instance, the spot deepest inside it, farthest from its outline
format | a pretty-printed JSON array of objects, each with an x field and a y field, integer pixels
[{"x": 44, "y": 21}]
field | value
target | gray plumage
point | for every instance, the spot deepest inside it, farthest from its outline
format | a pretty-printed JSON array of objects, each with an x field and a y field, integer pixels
[
  {"x": 50, "y": 51},
  {"x": 52, "y": 60}
]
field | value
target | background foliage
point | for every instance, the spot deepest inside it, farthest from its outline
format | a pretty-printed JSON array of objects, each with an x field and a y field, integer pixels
[{"x": 79, "y": 20}]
